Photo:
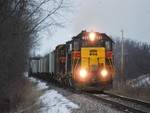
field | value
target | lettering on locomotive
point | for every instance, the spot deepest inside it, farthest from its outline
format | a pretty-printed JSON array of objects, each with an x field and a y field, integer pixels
[{"x": 93, "y": 52}]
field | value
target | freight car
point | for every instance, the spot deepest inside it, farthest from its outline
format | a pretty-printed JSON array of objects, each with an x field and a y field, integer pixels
[{"x": 85, "y": 62}]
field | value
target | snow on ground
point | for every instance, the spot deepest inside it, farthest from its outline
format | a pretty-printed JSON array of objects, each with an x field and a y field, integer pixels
[
  {"x": 142, "y": 81},
  {"x": 56, "y": 103},
  {"x": 40, "y": 85},
  {"x": 52, "y": 100}
]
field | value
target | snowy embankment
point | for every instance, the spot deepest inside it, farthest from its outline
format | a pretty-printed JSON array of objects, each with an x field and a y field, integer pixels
[
  {"x": 141, "y": 82},
  {"x": 52, "y": 101}
]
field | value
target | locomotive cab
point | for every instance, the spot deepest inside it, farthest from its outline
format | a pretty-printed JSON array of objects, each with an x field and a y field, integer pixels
[{"x": 90, "y": 60}]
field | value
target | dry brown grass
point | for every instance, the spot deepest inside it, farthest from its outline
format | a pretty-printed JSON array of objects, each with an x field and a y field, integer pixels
[
  {"x": 138, "y": 93},
  {"x": 23, "y": 97}
]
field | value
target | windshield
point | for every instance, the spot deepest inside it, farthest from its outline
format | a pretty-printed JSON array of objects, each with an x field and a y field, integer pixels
[{"x": 93, "y": 44}]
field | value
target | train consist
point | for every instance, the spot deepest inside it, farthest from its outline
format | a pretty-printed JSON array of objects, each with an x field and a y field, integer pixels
[{"x": 85, "y": 62}]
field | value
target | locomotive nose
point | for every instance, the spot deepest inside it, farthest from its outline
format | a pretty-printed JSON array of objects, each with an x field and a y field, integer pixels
[{"x": 94, "y": 68}]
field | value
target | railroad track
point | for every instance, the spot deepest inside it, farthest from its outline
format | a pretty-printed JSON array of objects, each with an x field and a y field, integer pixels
[
  {"x": 122, "y": 103},
  {"x": 119, "y": 102},
  {"x": 140, "y": 102}
]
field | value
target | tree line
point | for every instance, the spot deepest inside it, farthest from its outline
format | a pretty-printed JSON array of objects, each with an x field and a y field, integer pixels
[{"x": 136, "y": 59}]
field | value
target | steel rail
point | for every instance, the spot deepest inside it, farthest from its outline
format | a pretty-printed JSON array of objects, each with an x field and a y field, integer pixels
[
  {"x": 117, "y": 105},
  {"x": 141, "y": 102}
]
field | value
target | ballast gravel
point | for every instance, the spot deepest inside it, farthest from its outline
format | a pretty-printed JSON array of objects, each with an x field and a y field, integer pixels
[
  {"x": 85, "y": 104},
  {"x": 88, "y": 105}
]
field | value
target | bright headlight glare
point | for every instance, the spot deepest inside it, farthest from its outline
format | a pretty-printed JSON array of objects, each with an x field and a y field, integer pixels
[
  {"x": 92, "y": 36},
  {"x": 104, "y": 73},
  {"x": 83, "y": 73}
]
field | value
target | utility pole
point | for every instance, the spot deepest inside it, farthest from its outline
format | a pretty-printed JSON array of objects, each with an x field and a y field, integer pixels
[
  {"x": 122, "y": 77},
  {"x": 122, "y": 52}
]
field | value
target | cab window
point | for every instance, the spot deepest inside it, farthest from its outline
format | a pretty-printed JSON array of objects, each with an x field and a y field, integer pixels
[
  {"x": 84, "y": 44},
  {"x": 76, "y": 46},
  {"x": 108, "y": 45},
  {"x": 70, "y": 47}
]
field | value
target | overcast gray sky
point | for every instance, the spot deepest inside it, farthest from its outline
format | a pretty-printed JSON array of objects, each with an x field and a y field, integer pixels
[{"x": 106, "y": 16}]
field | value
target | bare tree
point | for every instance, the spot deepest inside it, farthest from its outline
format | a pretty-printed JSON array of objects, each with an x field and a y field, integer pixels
[{"x": 20, "y": 21}]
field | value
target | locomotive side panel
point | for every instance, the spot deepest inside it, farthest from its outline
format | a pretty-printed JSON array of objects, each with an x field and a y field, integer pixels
[
  {"x": 68, "y": 56},
  {"x": 60, "y": 59}
]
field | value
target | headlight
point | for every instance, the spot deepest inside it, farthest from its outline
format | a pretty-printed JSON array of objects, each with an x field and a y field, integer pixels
[
  {"x": 92, "y": 36},
  {"x": 104, "y": 73},
  {"x": 83, "y": 73}
]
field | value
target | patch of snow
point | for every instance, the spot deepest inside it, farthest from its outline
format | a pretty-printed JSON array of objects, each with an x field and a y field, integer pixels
[
  {"x": 25, "y": 74},
  {"x": 32, "y": 79},
  {"x": 56, "y": 103},
  {"x": 142, "y": 81},
  {"x": 41, "y": 85},
  {"x": 53, "y": 101}
]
